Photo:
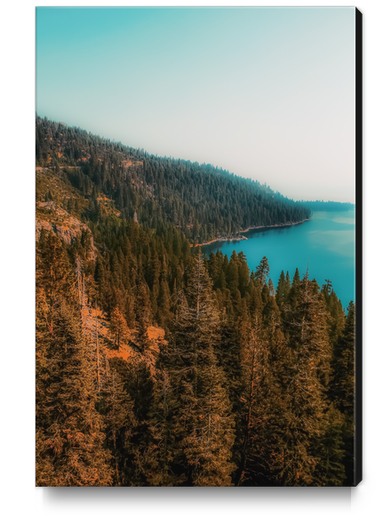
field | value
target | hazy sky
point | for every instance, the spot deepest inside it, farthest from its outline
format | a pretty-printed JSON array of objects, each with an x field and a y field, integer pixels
[{"x": 266, "y": 93}]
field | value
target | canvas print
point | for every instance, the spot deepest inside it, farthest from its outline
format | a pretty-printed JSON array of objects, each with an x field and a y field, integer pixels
[{"x": 198, "y": 247}]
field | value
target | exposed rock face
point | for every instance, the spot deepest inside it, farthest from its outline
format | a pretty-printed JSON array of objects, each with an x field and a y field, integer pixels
[
  {"x": 133, "y": 164},
  {"x": 63, "y": 225},
  {"x": 42, "y": 224}
]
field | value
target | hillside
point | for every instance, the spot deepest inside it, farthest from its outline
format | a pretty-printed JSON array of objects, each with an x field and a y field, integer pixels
[
  {"x": 204, "y": 202},
  {"x": 156, "y": 366}
]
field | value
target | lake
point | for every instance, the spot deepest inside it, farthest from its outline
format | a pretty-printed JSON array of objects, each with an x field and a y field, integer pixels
[{"x": 326, "y": 244}]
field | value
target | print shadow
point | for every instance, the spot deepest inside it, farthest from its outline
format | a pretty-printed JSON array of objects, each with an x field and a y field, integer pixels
[{"x": 333, "y": 498}]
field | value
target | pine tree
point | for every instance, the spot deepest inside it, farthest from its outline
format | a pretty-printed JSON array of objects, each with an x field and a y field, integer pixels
[
  {"x": 264, "y": 406},
  {"x": 164, "y": 302},
  {"x": 119, "y": 328},
  {"x": 70, "y": 432},
  {"x": 162, "y": 438},
  {"x": 141, "y": 388},
  {"x": 243, "y": 273},
  {"x": 280, "y": 293},
  {"x": 309, "y": 372},
  {"x": 53, "y": 269},
  {"x": 287, "y": 285},
  {"x": 232, "y": 275},
  {"x": 117, "y": 409},
  {"x": 344, "y": 363},
  {"x": 143, "y": 309},
  {"x": 204, "y": 424},
  {"x": 271, "y": 288},
  {"x": 329, "y": 449},
  {"x": 263, "y": 270},
  {"x": 253, "y": 361},
  {"x": 336, "y": 319},
  {"x": 343, "y": 388}
]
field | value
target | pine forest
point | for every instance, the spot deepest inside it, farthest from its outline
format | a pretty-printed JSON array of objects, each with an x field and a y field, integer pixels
[{"x": 158, "y": 366}]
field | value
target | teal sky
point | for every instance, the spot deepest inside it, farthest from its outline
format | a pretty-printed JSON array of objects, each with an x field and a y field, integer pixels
[{"x": 266, "y": 93}]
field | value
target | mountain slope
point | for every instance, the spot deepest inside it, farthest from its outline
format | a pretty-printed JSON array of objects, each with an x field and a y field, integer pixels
[
  {"x": 203, "y": 201},
  {"x": 156, "y": 366}
]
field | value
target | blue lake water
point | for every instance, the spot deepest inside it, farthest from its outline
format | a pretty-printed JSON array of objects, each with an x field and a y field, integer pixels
[{"x": 326, "y": 244}]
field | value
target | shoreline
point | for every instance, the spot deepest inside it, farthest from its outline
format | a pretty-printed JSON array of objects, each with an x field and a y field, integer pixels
[
  {"x": 238, "y": 238},
  {"x": 275, "y": 226},
  {"x": 252, "y": 228}
]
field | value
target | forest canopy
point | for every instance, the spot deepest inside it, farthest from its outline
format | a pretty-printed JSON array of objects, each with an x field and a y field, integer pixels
[
  {"x": 204, "y": 202},
  {"x": 158, "y": 366}
]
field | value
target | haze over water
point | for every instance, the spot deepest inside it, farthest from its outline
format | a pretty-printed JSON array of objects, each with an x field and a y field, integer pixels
[{"x": 326, "y": 244}]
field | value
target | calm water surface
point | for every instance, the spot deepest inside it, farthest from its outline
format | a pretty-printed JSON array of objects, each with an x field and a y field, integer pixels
[{"x": 325, "y": 244}]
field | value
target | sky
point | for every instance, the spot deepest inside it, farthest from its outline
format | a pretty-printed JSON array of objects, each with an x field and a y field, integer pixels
[{"x": 266, "y": 93}]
